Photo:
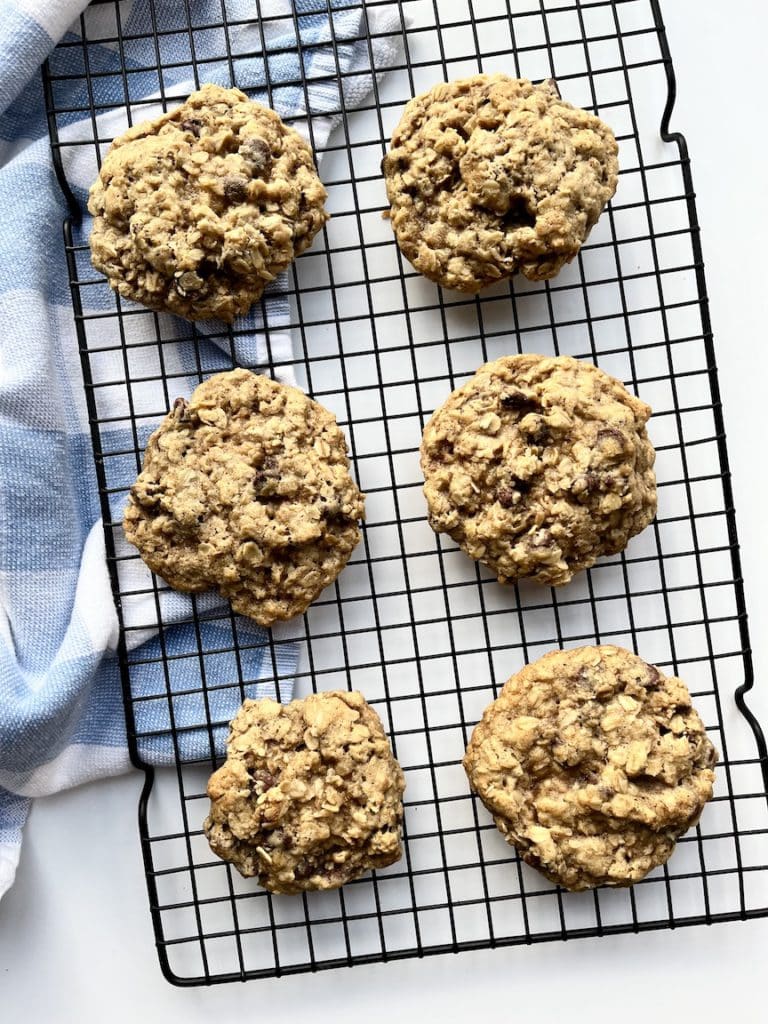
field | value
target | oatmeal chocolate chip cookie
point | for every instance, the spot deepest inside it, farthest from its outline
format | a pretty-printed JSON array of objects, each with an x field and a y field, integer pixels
[
  {"x": 537, "y": 466},
  {"x": 592, "y": 764},
  {"x": 491, "y": 175},
  {"x": 197, "y": 211},
  {"x": 310, "y": 795},
  {"x": 246, "y": 488}
]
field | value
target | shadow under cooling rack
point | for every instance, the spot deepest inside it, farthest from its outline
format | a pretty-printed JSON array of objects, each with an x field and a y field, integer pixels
[{"x": 423, "y": 632}]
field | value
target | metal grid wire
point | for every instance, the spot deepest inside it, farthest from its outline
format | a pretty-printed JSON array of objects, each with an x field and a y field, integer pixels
[{"x": 422, "y": 631}]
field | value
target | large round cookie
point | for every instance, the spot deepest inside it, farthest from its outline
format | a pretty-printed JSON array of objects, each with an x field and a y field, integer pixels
[
  {"x": 537, "y": 466},
  {"x": 593, "y": 764},
  {"x": 197, "y": 211},
  {"x": 491, "y": 175},
  {"x": 310, "y": 795},
  {"x": 246, "y": 488}
]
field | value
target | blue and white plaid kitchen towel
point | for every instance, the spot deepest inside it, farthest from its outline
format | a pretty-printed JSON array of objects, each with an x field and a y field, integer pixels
[{"x": 61, "y": 714}]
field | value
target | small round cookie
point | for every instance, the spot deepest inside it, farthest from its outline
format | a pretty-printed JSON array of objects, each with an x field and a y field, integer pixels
[
  {"x": 491, "y": 175},
  {"x": 246, "y": 488},
  {"x": 592, "y": 764},
  {"x": 197, "y": 211},
  {"x": 310, "y": 795},
  {"x": 539, "y": 465}
]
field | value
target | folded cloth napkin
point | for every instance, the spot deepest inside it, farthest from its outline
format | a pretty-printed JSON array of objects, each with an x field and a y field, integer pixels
[{"x": 61, "y": 710}]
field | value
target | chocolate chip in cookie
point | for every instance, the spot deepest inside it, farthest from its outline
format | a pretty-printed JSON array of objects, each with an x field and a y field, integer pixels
[{"x": 257, "y": 156}]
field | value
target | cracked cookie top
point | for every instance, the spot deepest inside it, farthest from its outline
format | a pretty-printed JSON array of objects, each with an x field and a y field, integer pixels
[
  {"x": 539, "y": 465},
  {"x": 310, "y": 795},
  {"x": 197, "y": 211},
  {"x": 491, "y": 175},
  {"x": 593, "y": 764},
  {"x": 246, "y": 488}
]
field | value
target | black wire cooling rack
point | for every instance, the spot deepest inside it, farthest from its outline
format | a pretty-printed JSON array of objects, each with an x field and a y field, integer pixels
[{"x": 420, "y": 629}]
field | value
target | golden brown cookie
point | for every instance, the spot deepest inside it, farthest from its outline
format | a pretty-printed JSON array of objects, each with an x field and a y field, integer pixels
[
  {"x": 310, "y": 795},
  {"x": 246, "y": 488},
  {"x": 197, "y": 211},
  {"x": 491, "y": 175},
  {"x": 593, "y": 764},
  {"x": 539, "y": 465}
]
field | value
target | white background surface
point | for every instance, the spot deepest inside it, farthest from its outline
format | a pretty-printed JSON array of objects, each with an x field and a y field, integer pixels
[{"x": 76, "y": 943}]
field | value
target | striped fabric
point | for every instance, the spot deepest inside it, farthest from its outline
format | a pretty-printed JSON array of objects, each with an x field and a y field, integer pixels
[{"x": 61, "y": 714}]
